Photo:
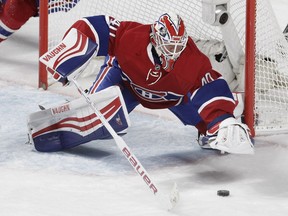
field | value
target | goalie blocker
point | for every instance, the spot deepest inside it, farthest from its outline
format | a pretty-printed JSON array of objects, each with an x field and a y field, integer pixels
[
  {"x": 74, "y": 123},
  {"x": 68, "y": 59}
]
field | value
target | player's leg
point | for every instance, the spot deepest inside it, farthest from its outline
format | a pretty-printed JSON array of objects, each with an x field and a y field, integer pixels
[
  {"x": 15, "y": 13},
  {"x": 110, "y": 75},
  {"x": 73, "y": 123}
]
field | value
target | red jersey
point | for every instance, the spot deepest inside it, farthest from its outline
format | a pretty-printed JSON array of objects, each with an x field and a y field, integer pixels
[
  {"x": 152, "y": 85},
  {"x": 142, "y": 73}
]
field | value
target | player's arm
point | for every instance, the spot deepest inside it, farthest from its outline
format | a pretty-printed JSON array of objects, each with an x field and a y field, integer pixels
[
  {"x": 213, "y": 98},
  {"x": 216, "y": 105}
]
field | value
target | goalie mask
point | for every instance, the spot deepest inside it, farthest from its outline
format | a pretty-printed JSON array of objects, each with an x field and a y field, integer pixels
[{"x": 169, "y": 37}]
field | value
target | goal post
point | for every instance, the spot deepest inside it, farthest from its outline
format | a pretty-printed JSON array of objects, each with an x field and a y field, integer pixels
[
  {"x": 250, "y": 37},
  {"x": 256, "y": 46},
  {"x": 43, "y": 42}
]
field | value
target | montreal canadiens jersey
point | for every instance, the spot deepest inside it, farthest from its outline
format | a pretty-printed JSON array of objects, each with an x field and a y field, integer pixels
[{"x": 154, "y": 87}]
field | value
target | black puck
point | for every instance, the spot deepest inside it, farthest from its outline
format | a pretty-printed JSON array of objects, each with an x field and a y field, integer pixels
[{"x": 223, "y": 193}]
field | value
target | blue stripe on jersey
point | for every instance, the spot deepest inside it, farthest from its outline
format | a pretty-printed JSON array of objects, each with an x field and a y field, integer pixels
[
  {"x": 3, "y": 31},
  {"x": 216, "y": 90},
  {"x": 102, "y": 28},
  {"x": 109, "y": 75}
]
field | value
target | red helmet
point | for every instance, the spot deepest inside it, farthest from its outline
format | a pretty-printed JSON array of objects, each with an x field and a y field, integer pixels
[{"x": 169, "y": 37}]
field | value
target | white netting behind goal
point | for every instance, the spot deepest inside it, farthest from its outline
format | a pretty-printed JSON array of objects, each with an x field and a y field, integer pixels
[
  {"x": 271, "y": 84},
  {"x": 271, "y": 77}
]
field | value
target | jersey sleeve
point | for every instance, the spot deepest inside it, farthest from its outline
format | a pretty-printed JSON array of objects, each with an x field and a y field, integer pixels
[
  {"x": 213, "y": 100},
  {"x": 210, "y": 94}
]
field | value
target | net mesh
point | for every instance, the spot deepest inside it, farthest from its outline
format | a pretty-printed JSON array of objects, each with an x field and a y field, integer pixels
[{"x": 271, "y": 76}]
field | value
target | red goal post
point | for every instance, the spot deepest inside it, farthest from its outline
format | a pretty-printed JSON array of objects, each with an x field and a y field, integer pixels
[
  {"x": 43, "y": 42},
  {"x": 250, "y": 65},
  {"x": 256, "y": 46}
]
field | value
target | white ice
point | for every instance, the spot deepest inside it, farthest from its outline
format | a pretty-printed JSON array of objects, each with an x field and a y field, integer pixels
[{"x": 95, "y": 179}]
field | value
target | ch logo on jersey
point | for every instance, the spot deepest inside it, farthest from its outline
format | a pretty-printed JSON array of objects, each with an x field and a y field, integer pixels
[
  {"x": 153, "y": 77},
  {"x": 152, "y": 95}
]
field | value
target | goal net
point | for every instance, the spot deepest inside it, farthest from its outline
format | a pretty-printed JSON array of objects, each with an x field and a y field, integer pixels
[{"x": 255, "y": 49}]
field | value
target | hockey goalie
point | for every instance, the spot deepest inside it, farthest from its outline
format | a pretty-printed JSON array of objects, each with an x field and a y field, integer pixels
[{"x": 156, "y": 65}]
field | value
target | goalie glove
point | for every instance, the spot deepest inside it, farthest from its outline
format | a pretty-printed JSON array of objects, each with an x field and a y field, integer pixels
[{"x": 230, "y": 136}]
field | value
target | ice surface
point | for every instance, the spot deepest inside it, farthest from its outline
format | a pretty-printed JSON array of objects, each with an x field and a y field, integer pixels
[{"x": 95, "y": 179}]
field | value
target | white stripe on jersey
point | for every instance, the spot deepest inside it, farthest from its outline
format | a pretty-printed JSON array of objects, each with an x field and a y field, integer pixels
[
  {"x": 6, "y": 28},
  {"x": 112, "y": 35},
  {"x": 113, "y": 26},
  {"x": 213, "y": 100},
  {"x": 3, "y": 37},
  {"x": 94, "y": 32},
  {"x": 104, "y": 72}
]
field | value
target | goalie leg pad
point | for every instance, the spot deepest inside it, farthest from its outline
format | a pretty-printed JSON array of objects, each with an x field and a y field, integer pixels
[{"x": 74, "y": 123}]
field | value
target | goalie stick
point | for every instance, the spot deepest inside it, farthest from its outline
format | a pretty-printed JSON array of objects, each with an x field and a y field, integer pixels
[
  {"x": 59, "y": 61},
  {"x": 168, "y": 202}
]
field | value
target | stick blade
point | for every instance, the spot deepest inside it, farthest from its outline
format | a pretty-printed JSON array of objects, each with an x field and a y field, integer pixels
[{"x": 174, "y": 196}]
